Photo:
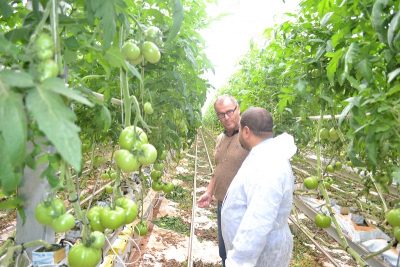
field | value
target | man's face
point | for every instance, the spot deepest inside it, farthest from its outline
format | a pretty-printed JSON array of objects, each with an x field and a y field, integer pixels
[{"x": 228, "y": 114}]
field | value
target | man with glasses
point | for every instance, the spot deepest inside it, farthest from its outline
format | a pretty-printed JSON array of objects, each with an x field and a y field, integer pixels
[
  {"x": 228, "y": 155},
  {"x": 259, "y": 199}
]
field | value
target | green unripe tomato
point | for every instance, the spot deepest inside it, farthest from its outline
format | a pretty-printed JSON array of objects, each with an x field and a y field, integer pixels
[
  {"x": 151, "y": 52},
  {"x": 130, "y": 51},
  {"x": 148, "y": 109}
]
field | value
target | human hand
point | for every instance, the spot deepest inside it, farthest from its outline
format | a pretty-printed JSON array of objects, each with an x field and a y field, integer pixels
[{"x": 204, "y": 200}]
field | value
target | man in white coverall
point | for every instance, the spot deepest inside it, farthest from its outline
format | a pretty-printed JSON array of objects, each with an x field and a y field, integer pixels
[{"x": 259, "y": 199}]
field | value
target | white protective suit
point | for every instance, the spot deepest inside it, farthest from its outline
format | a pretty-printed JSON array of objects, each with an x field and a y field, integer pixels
[{"x": 257, "y": 206}]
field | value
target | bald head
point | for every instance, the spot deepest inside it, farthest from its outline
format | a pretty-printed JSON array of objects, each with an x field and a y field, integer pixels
[{"x": 258, "y": 120}]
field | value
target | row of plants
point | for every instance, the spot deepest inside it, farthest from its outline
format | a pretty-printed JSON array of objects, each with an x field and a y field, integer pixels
[
  {"x": 82, "y": 76},
  {"x": 330, "y": 76}
]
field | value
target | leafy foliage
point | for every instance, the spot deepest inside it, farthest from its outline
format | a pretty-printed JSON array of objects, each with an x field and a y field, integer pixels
[{"x": 332, "y": 58}]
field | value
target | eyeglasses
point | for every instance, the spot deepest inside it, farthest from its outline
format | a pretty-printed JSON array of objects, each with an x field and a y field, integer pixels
[{"x": 229, "y": 113}]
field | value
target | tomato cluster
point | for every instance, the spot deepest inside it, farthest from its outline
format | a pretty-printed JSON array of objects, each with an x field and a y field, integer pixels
[
  {"x": 53, "y": 213},
  {"x": 101, "y": 218},
  {"x": 156, "y": 174},
  {"x": 135, "y": 150},
  {"x": 147, "y": 50}
]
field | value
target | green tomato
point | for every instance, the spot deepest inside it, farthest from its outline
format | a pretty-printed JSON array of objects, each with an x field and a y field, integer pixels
[
  {"x": 47, "y": 69},
  {"x": 333, "y": 135},
  {"x": 168, "y": 187},
  {"x": 58, "y": 206},
  {"x": 322, "y": 221},
  {"x": 323, "y": 134},
  {"x": 130, "y": 51},
  {"x": 81, "y": 255},
  {"x": 311, "y": 182},
  {"x": 105, "y": 176},
  {"x": 63, "y": 223},
  {"x": 97, "y": 239},
  {"x": 393, "y": 217},
  {"x": 157, "y": 186},
  {"x": 155, "y": 175},
  {"x": 396, "y": 233},
  {"x": 151, "y": 52},
  {"x": 137, "y": 61},
  {"x": 113, "y": 175},
  {"x": 148, "y": 109},
  {"x": 338, "y": 165},
  {"x": 132, "y": 137},
  {"x": 112, "y": 218},
  {"x": 44, "y": 46},
  {"x": 162, "y": 155},
  {"x": 130, "y": 207},
  {"x": 93, "y": 216},
  {"x": 141, "y": 228},
  {"x": 330, "y": 168},
  {"x": 152, "y": 32},
  {"x": 108, "y": 189},
  {"x": 158, "y": 166},
  {"x": 44, "y": 214},
  {"x": 147, "y": 154},
  {"x": 126, "y": 161}
]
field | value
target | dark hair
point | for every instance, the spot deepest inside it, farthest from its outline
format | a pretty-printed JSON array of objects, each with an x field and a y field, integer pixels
[{"x": 258, "y": 120}]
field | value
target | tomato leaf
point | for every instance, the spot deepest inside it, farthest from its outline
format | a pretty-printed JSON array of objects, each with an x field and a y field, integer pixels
[
  {"x": 7, "y": 47},
  {"x": 5, "y": 9},
  {"x": 393, "y": 28},
  {"x": 11, "y": 203},
  {"x": 16, "y": 79},
  {"x": 9, "y": 180},
  {"x": 333, "y": 64},
  {"x": 133, "y": 70},
  {"x": 114, "y": 57},
  {"x": 13, "y": 126},
  {"x": 378, "y": 18},
  {"x": 178, "y": 19},
  {"x": 58, "y": 86},
  {"x": 105, "y": 11},
  {"x": 57, "y": 122}
]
